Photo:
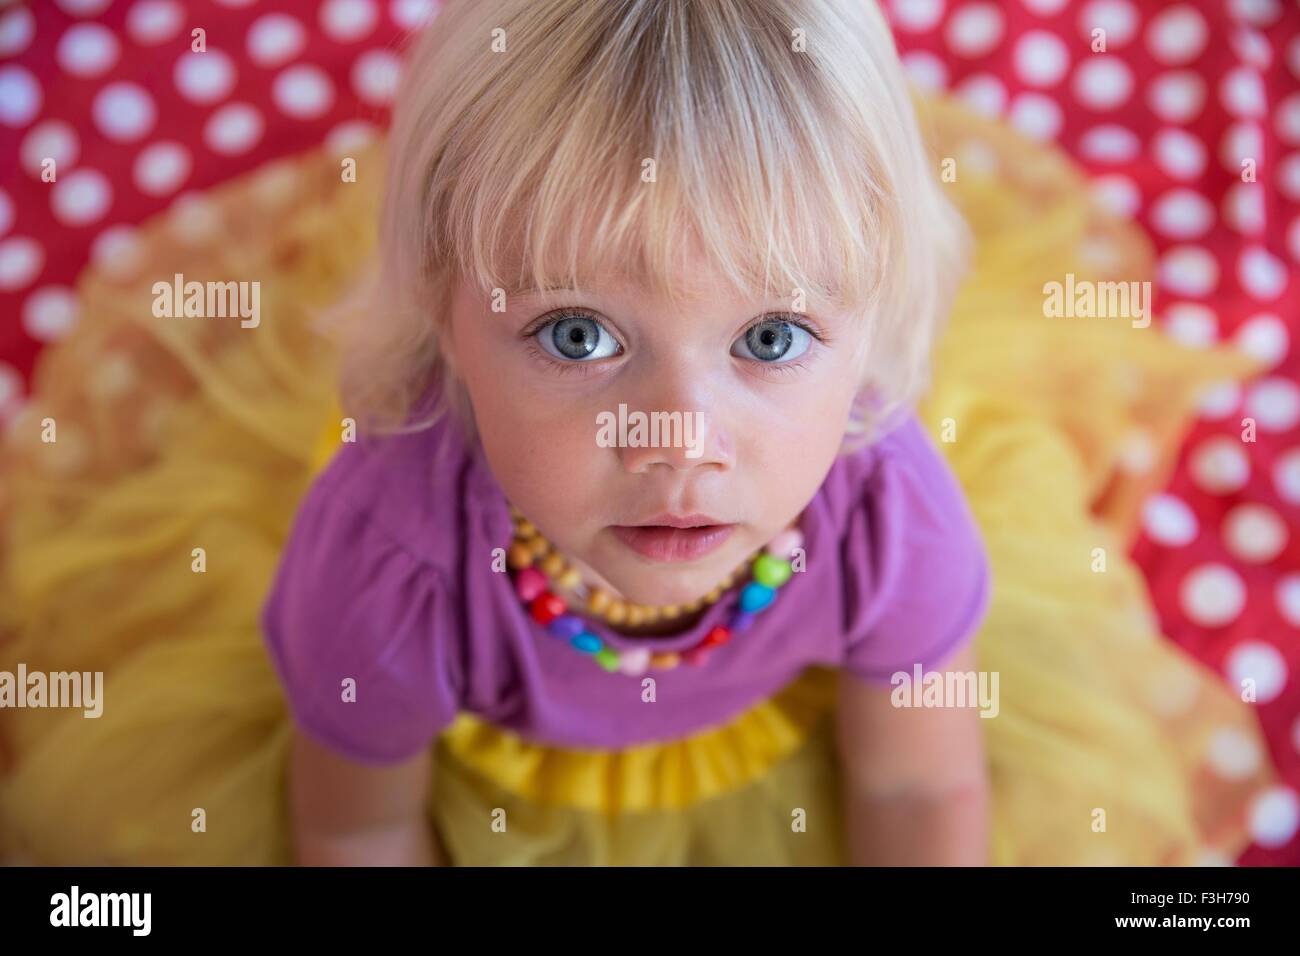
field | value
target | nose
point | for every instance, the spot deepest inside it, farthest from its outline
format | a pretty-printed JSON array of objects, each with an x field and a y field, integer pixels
[{"x": 679, "y": 437}]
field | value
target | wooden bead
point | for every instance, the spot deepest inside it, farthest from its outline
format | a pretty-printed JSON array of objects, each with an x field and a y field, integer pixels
[
  {"x": 553, "y": 564},
  {"x": 569, "y": 579},
  {"x": 616, "y": 613},
  {"x": 635, "y": 615},
  {"x": 539, "y": 546},
  {"x": 665, "y": 661},
  {"x": 518, "y": 556},
  {"x": 525, "y": 529},
  {"x": 598, "y": 601}
]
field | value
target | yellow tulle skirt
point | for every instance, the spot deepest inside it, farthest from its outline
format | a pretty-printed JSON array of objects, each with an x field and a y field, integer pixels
[{"x": 178, "y": 434}]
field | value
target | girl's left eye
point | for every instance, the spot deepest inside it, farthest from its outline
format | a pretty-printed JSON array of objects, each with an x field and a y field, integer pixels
[
  {"x": 576, "y": 337},
  {"x": 773, "y": 341}
]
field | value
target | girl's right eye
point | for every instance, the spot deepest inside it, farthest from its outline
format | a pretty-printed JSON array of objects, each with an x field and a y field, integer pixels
[{"x": 576, "y": 337}]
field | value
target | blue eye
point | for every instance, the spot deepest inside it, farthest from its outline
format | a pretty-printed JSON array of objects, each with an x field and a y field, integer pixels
[
  {"x": 576, "y": 337},
  {"x": 773, "y": 341}
]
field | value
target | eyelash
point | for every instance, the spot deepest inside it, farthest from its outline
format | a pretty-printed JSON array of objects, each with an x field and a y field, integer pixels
[{"x": 586, "y": 368}]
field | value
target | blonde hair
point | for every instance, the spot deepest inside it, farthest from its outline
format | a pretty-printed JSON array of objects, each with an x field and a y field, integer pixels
[{"x": 783, "y": 144}]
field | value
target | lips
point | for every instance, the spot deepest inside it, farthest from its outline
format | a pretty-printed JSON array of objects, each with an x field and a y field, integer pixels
[{"x": 667, "y": 543}]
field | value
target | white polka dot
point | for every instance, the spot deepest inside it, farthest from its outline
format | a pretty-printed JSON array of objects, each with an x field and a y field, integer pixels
[
  {"x": 124, "y": 112},
  {"x": 1182, "y": 214},
  {"x": 87, "y": 49},
  {"x": 926, "y": 70},
  {"x": 910, "y": 16},
  {"x": 17, "y": 27},
  {"x": 1274, "y": 815},
  {"x": 151, "y": 22},
  {"x": 204, "y": 78},
  {"x": 1109, "y": 144},
  {"x": 233, "y": 129},
  {"x": 1274, "y": 403},
  {"x": 1169, "y": 521},
  {"x": 1288, "y": 599},
  {"x": 20, "y": 96},
  {"x": 350, "y": 137},
  {"x": 1252, "y": 47},
  {"x": 413, "y": 14},
  {"x": 1041, "y": 58},
  {"x": 1233, "y": 753},
  {"x": 1116, "y": 17},
  {"x": 1286, "y": 119},
  {"x": 1212, "y": 595},
  {"x": 984, "y": 93},
  {"x": 303, "y": 91},
  {"x": 1254, "y": 533},
  {"x": 1045, "y": 8},
  {"x": 376, "y": 73},
  {"x": 161, "y": 168},
  {"x": 118, "y": 252},
  {"x": 1035, "y": 115},
  {"x": 1219, "y": 400},
  {"x": 1177, "y": 35},
  {"x": 346, "y": 21},
  {"x": 1219, "y": 465},
  {"x": 1102, "y": 83},
  {"x": 1259, "y": 12},
  {"x": 1240, "y": 141},
  {"x": 1116, "y": 193},
  {"x": 1188, "y": 270},
  {"x": 1178, "y": 153},
  {"x": 1242, "y": 92},
  {"x": 1265, "y": 337},
  {"x": 50, "y": 313},
  {"x": 49, "y": 139},
  {"x": 81, "y": 197},
  {"x": 1176, "y": 97},
  {"x": 1260, "y": 662},
  {"x": 1288, "y": 176},
  {"x": 974, "y": 29},
  {"x": 1191, "y": 324},
  {"x": 83, "y": 8},
  {"x": 1261, "y": 273},
  {"x": 21, "y": 260},
  {"x": 1243, "y": 208},
  {"x": 6, "y": 212},
  {"x": 275, "y": 39}
]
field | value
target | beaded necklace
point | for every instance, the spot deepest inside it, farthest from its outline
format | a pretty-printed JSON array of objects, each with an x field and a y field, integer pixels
[{"x": 540, "y": 573}]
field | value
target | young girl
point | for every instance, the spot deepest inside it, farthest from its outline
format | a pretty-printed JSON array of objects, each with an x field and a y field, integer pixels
[{"x": 503, "y": 637}]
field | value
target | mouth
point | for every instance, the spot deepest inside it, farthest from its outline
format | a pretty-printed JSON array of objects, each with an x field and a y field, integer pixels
[{"x": 667, "y": 538}]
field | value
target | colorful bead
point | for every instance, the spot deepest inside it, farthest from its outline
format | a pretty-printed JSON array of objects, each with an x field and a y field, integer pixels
[
  {"x": 755, "y": 597},
  {"x": 666, "y": 661},
  {"x": 608, "y": 659},
  {"x": 771, "y": 571},
  {"x": 697, "y": 655},
  {"x": 783, "y": 545},
  {"x": 586, "y": 642},
  {"x": 546, "y": 607},
  {"x": 741, "y": 620},
  {"x": 529, "y": 583},
  {"x": 717, "y": 635},
  {"x": 566, "y": 626},
  {"x": 634, "y": 661}
]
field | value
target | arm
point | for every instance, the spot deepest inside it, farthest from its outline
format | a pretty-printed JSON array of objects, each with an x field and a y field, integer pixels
[
  {"x": 346, "y": 813},
  {"x": 915, "y": 783}
]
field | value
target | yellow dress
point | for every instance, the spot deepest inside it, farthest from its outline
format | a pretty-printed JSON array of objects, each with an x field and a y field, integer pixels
[{"x": 178, "y": 434}]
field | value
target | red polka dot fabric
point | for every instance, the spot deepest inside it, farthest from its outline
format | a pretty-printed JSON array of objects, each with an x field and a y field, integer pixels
[{"x": 1185, "y": 115}]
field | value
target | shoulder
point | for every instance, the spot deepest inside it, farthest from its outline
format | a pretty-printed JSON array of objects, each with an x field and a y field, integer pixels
[
  {"x": 364, "y": 594},
  {"x": 916, "y": 570}
]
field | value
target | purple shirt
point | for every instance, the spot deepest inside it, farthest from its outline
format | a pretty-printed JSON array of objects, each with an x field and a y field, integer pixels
[{"x": 387, "y": 578}]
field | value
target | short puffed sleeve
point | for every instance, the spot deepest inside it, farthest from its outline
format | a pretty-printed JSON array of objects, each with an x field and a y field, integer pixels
[
  {"x": 362, "y": 634},
  {"x": 917, "y": 573}
]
